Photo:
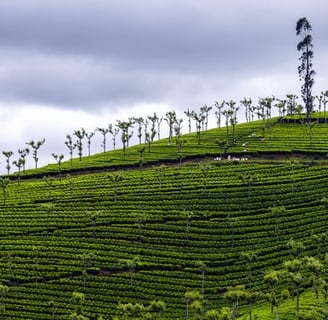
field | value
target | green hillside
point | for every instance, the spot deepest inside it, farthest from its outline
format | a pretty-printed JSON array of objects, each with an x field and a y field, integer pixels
[{"x": 146, "y": 228}]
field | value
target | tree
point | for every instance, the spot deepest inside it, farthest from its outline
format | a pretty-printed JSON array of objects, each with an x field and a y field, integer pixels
[
  {"x": 205, "y": 109},
  {"x": 292, "y": 164},
  {"x": 314, "y": 266},
  {"x": 36, "y": 249},
  {"x": 78, "y": 299},
  {"x": 104, "y": 132},
  {"x": 250, "y": 259},
  {"x": 124, "y": 126},
  {"x": 131, "y": 265},
  {"x": 4, "y": 182},
  {"x": 114, "y": 132},
  {"x": 141, "y": 152},
  {"x": 275, "y": 296},
  {"x": 223, "y": 314},
  {"x": 71, "y": 146},
  {"x": 199, "y": 119},
  {"x": 281, "y": 106},
  {"x": 19, "y": 164},
  {"x": 250, "y": 296},
  {"x": 223, "y": 146},
  {"x": 188, "y": 113},
  {"x": 295, "y": 248},
  {"x": 36, "y": 146},
  {"x": 277, "y": 212},
  {"x": 23, "y": 154},
  {"x": 59, "y": 158},
  {"x": 89, "y": 137},
  {"x": 232, "y": 113},
  {"x": 80, "y": 135},
  {"x": 248, "y": 179},
  {"x": 325, "y": 101},
  {"x": 178, "y": 137},
  {"x": 161, "y": 175},
  {"x": 49, "y": 207},
  {"x": 202, "y": 268},
  {"x": 156, "y": 308},
  {"x": 305, "y": 71},
  {"x": 235, "y": 295},
  {"x": 159, "y": 121},
  {"x": 85, "y": 258},
  {"x": 218, "y": 112},
  {"x": 8, "y": 155},
  {"x": 49, "y": 181},
  {"x": 139, "y": 122},
  {"x": 205, "y": 170},
  {"x": 194, "y": 301},
  {"x": 115, "y": 179},
  {"x": 318, "y": 241},
  {"x": 152, "y": 134},
  {"x": 247, "y": 102},
  {"x": 188, "y": 215},
  {"x": 324, "y": 291},
  {"x": 170, "y": 118},
  {"x": 293, "y": 271}
]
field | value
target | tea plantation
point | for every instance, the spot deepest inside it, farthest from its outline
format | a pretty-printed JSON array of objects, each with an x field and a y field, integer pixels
[{"x": 148, "y": 228}]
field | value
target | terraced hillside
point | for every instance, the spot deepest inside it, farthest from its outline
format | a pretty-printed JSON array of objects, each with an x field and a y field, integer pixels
[{"x": 139, "y": 234}]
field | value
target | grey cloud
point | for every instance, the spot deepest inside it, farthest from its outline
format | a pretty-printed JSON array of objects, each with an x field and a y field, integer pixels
[{"x": 87, "y": 54}]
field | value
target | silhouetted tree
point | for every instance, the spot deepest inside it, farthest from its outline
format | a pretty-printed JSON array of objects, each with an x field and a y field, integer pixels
[
  {"x": 325, "y": 101},
  {"x": 232, "y": 112},
  {"x": 124, "y": 126},
  {"x": 36, "y": 146},
  {"x": 114, "y": 132},
  {"x": 59, "y": 158},
  {"x": 305, "y": 71},
  {"x": 139, "y": 122},
  {"x": 158, "y": 122},
  {"x": 199, "y": 119},
  {"x": 71, "y": 146},
  {"x": 19, "y": 164},
  {"x": 23, "y": 154},
  {"x": 89, "y": 137},
  {"x": 7, "y": 155},
  {"x": 170, "y": 118},
  {"x": 178, "y": 137},
  {"x": 104, "y": 132},
  {"x": 188, "y": 113},
  {"x": 218, "y": 112},
  {"x": 205, "y": 109},
  {"x": 247, "y": 102},
  {"x": 80, "y": 135}
]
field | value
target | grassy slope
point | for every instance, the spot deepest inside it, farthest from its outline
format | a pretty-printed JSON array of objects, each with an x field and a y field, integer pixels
[
  {"x": 42, "y": 250},
  {"x": 277, "y": 138}
]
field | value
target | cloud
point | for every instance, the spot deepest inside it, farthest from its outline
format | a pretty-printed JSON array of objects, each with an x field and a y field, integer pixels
[
  {"x": 83, "y": 54},
  {"x": 69, "y": 62}
]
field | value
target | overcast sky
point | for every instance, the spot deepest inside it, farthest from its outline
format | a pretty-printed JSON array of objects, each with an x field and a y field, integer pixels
[{"x": 67, "y": 64}]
